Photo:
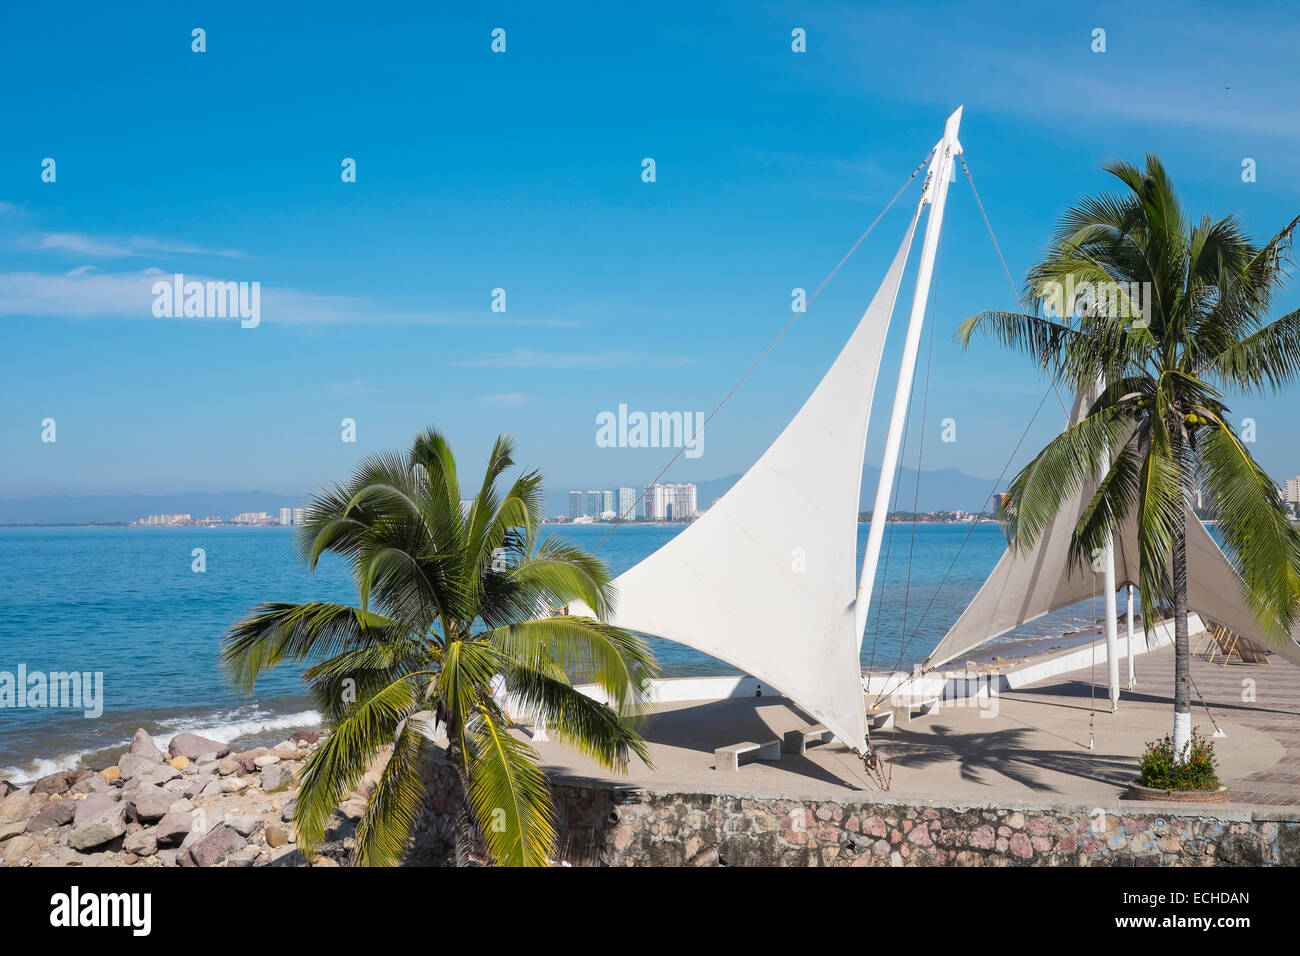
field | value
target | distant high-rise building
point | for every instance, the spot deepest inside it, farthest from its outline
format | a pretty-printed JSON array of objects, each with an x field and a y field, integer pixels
[
  {"x": 575, "y": 504},
  {"x": 164, "y": 520},
  {"x": 625, "y": 503},
  {"x": 1293, "y": 491},
  {"x": 595, "y": 503},
  {"x": 286, "y": 516},
  {"x": 669, "y": 502},
  {"x": 606, "y": 501},
  {"x": 251, "y": 517},
  {"x": 299, "y": 516}
]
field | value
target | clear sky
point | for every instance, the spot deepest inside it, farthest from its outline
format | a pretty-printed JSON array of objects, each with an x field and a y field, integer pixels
[{"x": 522, "y": 171}]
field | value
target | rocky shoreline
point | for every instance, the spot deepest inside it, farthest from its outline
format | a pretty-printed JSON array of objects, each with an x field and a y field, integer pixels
[{"x": 197, "y": 805}]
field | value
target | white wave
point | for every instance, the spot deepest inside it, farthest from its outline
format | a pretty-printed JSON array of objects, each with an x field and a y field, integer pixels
[
  {"x": 35, "y": 769},
  {"x": 231, "y": 729},
  {"x": 222, "y": 727}
]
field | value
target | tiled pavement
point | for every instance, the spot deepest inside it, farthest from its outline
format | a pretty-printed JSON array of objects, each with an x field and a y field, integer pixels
[{"x": 1274, "y": 709}]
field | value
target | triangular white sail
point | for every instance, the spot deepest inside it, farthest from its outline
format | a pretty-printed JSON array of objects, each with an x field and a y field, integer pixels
[
  {"x": 1025, "y": 586},
  {"x": 1214, "y": 592},
  {"x": 765, "y": 580}
]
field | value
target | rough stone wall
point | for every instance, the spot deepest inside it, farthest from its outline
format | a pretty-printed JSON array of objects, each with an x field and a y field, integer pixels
[{"x": 610, "y": 826}]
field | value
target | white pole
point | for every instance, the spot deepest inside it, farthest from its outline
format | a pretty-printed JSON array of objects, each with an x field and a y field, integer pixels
[
  {"x": 1132, "y": 676},
  {"x": 1108, "y": 577},
  {"x": 936, "y": 193}
]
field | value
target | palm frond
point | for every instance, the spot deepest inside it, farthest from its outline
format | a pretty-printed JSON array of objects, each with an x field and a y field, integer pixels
[{"x": 509, "y": 795}]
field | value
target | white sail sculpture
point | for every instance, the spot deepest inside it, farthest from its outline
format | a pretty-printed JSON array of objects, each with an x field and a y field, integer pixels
[
  {"x": 766, "y": 580},
  {"x": 1026, "y": 585}
]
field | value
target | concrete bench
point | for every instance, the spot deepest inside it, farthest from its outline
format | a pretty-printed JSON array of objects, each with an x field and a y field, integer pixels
[
  {"x": 879, "y": 719},
  {"x": 728, "y": 758},
  {"x": 921, "y": 707},
  {"x": 798, "y": 741}
]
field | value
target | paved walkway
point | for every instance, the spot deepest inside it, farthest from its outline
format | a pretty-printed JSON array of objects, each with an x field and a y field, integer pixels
[
  {"x": 1032, "y": 748},
  {"x": 1262, "y": 697}
]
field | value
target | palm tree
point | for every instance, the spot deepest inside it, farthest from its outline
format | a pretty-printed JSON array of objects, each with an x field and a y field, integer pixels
[
  {"x": 1159, "y": 427},
  {"x": 460, "y": 606}
]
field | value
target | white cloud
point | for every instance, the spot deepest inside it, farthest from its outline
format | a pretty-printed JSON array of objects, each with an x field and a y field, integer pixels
[
  {"x": 86, "y": 293},
  {"x": 112, "y": 247}
]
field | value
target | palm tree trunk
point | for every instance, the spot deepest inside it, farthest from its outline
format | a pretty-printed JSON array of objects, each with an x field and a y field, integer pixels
[
  {"x": 464, "y": 824},
  {"x": 1182, "y": 654}
]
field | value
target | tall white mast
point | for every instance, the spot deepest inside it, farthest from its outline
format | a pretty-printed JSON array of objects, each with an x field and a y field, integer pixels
[
  {"x": 1108, "y": 589},
  {"x": 1132, "y": 677},
  {"x": 936, "y": 194}
]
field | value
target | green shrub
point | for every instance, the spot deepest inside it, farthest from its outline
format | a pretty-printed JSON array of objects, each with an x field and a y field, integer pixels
[{"x": 1197, "y": 772}]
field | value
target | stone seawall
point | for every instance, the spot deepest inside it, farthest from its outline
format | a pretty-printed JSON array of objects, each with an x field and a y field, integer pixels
[{"x": 619, "y": 826}]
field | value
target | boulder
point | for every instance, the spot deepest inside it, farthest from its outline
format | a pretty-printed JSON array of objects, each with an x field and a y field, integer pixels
[
  {"x": 276, "y": 836},
  {"x": 150, "y": 803},
  {"x": 235, "y": 784},
  {"x": 266, "y": 760},
  {"x": 158, "y": 775},
  {"x": 55, "y": 814},
  {"x": 228, "y": 765},
  {"x": 288, "y": 856},
  {"x": 143, "y": 843},
  {"x": 173, "y": 828},
  {"x": 16, "y": 806},
  {"x": 93, "y": 804},
  {"x": 134, "y": 765},
  {"x": 193, "y": 746},
  {"x": 181, "y": 762},
  {"x": 57, "y": 782},
  {"x": 110, "y": 774},
  {"x": 245, "y": 826},
  {"x": 275, "y": 776},
  {"x": 96, "y": 830},
  {"x": 89, "y": 784},
  {"x": 244, "y": 857},
  {"x": 305, "y": 738},
  {"x": 216, "y": 846},
  {"x": 18, "y": 849},
  {"x": 246, "y": 758},
  {"x": 142, "y": 745},
  {"x": 17, "y": 828}
]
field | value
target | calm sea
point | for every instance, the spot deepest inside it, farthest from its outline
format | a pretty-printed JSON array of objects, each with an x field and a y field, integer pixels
[{"x": 125, "y": 602}]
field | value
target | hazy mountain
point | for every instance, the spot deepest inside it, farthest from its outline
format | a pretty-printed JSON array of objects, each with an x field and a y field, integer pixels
[
  {"x": 106, "y": 509},
  {"x": 946, "y": 489}
]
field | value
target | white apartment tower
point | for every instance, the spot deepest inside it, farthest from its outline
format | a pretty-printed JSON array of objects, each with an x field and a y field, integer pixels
[
  {"x": 669, "y": 502},
  {"x": 625, "y": 503}
]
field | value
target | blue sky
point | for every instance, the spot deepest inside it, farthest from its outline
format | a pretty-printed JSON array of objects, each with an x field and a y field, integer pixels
[{"x": 522, "y": 171}]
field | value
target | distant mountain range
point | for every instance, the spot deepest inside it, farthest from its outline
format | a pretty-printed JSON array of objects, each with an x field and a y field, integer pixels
[
  {"x": 109, "y": 509},
  {"x": 946, "y": 489}
]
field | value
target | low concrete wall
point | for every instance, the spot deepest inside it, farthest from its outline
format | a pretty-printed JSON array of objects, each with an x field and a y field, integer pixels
[{"x": 611, "y": 826}]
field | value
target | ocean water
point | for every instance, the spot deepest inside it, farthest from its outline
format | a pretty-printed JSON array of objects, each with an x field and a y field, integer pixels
[{"x": 125, "y": 602}]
